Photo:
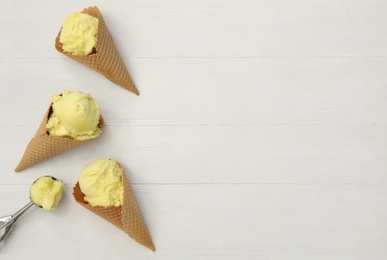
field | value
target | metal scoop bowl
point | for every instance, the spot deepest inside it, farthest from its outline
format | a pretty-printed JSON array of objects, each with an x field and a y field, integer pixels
[{"x": 7, "y": 222}]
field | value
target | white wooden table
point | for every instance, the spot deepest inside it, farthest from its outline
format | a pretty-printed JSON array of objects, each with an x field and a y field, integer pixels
[{"x": 259, "y": 133}]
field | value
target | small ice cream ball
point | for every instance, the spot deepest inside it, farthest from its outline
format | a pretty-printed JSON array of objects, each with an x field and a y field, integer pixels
[
  {"x": 79, "y": 34},
  {"x": 101, "y": 182},
  {"x": 46, "y": 192},
  {"x": 75, "y": 114}
]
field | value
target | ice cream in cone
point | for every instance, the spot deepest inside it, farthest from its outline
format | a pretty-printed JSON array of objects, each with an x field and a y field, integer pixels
[
  {"x": 73, "y": 118},
  {"x": 104, "y": 190},
  {"x": 89, "y": 42}
]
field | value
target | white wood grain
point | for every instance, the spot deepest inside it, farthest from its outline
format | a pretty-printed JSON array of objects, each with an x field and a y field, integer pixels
[
  {"x": 232, "y": 154},
  {"x": 259, "y": 132},
  {"x": 216, "y": 221}
]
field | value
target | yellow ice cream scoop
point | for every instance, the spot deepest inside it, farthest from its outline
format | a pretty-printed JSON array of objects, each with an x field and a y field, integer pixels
[
  {"x": 101, "y": 182},
  {"x": 75, "y": 114},
  {"x": 46, "y": 192},
  {"x": 79, "y": 34}
]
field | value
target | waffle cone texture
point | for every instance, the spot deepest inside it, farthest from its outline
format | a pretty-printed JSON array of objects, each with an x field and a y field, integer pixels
[
  {"x": 43, "y": 146},
  {"x": 127, "y": 217},
  {"x": 106, "y": 59}
]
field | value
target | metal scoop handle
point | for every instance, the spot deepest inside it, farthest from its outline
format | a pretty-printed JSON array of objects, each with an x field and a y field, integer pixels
[{"x": 7, "y": 222}]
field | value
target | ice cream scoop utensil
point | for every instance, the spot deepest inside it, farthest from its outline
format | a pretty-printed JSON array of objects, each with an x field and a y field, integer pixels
[
  {"x": 45, "y": 192},
  {"x": 7, "y": 222}
]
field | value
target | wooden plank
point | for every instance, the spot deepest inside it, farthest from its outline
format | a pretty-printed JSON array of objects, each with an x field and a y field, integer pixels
[
  {"x": 210, "y": 29},
  {"x": 209, "y": 91},
  {"x": 215, "y": 221},
  {"x": 234, "y": 154}
]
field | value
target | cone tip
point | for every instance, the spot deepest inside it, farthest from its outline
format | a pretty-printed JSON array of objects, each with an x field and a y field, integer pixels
[
  {"x": 19, "y": 168},
  {"x": 148, "y": 243}
]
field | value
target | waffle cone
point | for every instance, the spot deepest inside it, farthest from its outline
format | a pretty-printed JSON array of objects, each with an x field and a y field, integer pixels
[
  {"x": 43, "y": 146},
  {"x": 127, "y": 217},
  {"x": 106, "y": 59}
]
